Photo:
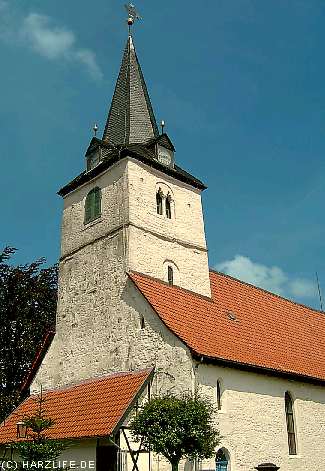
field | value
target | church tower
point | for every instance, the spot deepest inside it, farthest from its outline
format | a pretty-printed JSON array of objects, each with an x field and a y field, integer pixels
[
  {"x": 132, "y": 209},
  {"x": 132, "y": 186}
]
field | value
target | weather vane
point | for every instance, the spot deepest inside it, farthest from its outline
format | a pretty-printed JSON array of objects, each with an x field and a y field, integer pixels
[{"x": 132, "y": 15}]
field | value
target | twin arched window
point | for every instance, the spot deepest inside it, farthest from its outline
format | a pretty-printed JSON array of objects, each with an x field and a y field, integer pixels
[
  {"x": 290, "y": 424},
  {"x": 93, "y": 205},
  {"x": 159, "y": 201},
  {"x": 164, "y": 204}
]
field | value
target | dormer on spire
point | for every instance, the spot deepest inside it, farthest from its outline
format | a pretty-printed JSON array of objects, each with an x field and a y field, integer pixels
[{"x": 131, "y": 119}]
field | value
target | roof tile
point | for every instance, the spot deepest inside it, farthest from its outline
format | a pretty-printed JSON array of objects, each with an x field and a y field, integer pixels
[
  {"x": 268, "y": 331},
  {"x": 92, "y": 408}
]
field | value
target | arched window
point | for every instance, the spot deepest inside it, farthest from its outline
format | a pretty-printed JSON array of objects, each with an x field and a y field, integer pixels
[
  {"x": 221, "y": 461},
  {"x": 159, "y": 202},
  {"x": 170, "y": 274},
  {"x": 93, "y": 205},
  {"x": 168, "y": 207},
  {"x": 218, "y": 393},
  {"x": 290, "y": 424}
]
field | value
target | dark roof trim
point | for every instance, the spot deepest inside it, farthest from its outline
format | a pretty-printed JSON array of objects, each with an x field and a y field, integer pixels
[
  {"x": 138, "y": 152},
  {"x": 40, "y": 354},
  {"x": 257, "y": 369}
]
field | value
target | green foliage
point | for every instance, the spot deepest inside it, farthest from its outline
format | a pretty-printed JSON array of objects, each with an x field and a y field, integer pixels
[
  {"x": 28, "y": 297},
  {"x": 42, "y": 450},
  {"x": 177, "y": 427},
  {"x": 38, "y": 447}
]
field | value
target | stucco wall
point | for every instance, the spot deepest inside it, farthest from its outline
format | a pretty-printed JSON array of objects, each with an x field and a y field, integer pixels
[{"x": 253, "y": 424}]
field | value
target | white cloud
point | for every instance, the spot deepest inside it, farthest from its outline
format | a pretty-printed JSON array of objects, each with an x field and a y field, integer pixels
[
  {"x": 42, "y": 35},
  {"x": 273, "y": 279},
  {"x": 49, "y": 41}
]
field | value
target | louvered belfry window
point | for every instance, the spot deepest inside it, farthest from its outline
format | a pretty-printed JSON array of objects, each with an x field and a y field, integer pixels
[
  {"x": 290, "y": 424},
  {"x": 93, "y": 208},
  {"x": 159, "y": 201},
  {"x": 168, "y": 207}
]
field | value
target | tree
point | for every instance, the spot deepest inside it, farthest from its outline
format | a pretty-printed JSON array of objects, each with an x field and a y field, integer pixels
[
  {"x": 177, "y": 427},
  {"x": 39, "y": 448},
  {"x": 28, "y": 298}
]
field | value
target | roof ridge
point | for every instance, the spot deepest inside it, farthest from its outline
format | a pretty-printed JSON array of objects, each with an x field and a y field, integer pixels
[
  {"x": 211, "y": 270},
  {"x": 94, "y": 379}
]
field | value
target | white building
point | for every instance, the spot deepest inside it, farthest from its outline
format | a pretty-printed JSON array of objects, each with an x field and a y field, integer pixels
[{"x": 135, "y": 292}]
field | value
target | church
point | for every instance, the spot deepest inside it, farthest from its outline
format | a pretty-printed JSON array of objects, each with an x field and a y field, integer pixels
[{"x": 140, "y": 313}]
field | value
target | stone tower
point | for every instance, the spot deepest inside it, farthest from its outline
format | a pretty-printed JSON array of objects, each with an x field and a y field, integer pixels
[
  {"x": 146, "y": 198},
  {"x": 132, "y": 209}
]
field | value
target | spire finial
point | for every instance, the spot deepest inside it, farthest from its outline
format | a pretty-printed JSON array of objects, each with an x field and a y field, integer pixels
[
  {"x": 132, "y": 15},
  {"x": 162, "y": 124}
]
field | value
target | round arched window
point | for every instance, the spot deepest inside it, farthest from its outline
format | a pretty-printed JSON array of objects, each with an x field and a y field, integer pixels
[{"x": 221, "y": 461}]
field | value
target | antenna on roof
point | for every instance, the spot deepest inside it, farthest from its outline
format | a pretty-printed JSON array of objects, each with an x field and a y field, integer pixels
[{"x": 319, "y": 293}]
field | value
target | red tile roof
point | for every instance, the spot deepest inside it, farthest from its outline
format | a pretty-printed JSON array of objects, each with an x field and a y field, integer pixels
[
  {"x": 242, "y": 325},
  {"x": 90, "y": 409}
]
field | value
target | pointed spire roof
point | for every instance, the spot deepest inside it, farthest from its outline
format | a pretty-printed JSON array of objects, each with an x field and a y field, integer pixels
[{"x": 131, "y": 118}]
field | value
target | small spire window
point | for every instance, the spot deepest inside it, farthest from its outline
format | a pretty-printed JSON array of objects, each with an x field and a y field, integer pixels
[
  {"x": 290, "y": 424},
  {"x": 168, "y": 207},
  {"x": 170, "y": 274},
  {"x": 159, "y": 201},
  {"x": 93, "y": 205}
]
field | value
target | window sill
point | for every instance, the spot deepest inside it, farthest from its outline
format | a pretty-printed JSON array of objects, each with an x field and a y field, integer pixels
[
  {"x": 92, "y": 223},
  {"x": 294, "y": 457},
  {"x": 162, "y": 216}
]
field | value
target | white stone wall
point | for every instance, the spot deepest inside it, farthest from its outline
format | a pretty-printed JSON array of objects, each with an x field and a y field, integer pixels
[
  {"x": 99, "y": 327},
  {"x": 74, "y": 233},
  {"x": 153, "y": 238},
  {"x": 253, "y": 424},
  {"x": 98, "y": 330}
]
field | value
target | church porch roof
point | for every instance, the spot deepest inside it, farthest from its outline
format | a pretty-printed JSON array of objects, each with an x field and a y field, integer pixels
[
  {"x": 242, "y": 326},
  {"x": 92, "y": 408}
]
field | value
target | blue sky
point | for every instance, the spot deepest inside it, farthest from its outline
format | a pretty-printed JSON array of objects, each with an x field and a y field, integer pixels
[{"x": 240, "y": 84}]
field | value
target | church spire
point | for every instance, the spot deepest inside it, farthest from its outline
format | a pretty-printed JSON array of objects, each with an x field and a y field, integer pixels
[{"x": 131, "y": 118}]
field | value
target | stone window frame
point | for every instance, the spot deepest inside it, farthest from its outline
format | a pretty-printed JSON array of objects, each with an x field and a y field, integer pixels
[
  {"x": 219, "y": 394},
  {"x": 165, "y": 204},
  {"x": 93, "y": 205},
  {"x": 222, "y": 460},
  {"x": 290, "y": 423}
]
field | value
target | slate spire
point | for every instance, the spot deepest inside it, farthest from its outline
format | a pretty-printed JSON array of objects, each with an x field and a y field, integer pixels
[{"x": 131, "y": 118}]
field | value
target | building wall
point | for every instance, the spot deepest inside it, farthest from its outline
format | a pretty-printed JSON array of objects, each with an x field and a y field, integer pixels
[
  {"x": 155, "y": 239},
  {"x": 253, "y": 424},
  {"x": 99, "y": 329},
  {"x": 74, "y": 233}
]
